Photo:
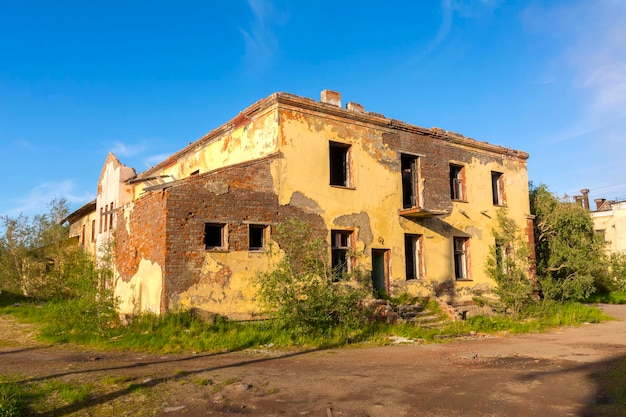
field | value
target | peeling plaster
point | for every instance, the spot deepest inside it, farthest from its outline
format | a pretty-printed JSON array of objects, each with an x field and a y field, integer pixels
[
  {"x": 475, "y": 232},
  {"x": 360, "y": 220},
  {"x": 217, "y": 187},
  {"x": 211, "y": 265},
  {"x": 143, "y": 291},
  {"x": 305, "y": 203}
]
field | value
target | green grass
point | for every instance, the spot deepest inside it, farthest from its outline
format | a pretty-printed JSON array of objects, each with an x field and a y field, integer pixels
[
  {"x": 615, "y": 297},
  {"x": 21, "y": 399},
  {"x": 181, "y": 332}
]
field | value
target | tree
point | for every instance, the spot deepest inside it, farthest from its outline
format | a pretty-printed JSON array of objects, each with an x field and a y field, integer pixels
[
  {"x": 36, "y": 256},
  {"x": 570, "y": 256},
  {"x": 302, "y": 291},
  {"x": 16, "y": 244},
  {"x": 509, "y": 265}
]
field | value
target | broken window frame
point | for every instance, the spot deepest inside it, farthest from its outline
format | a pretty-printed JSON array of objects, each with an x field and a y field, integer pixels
[
  {"x": 340, "y": 171},
  {"x": 410, "y": 170},
  {"x": 341, "y": 245},
  {"x": 457, "y": 182},
  {"x": 413, "y": 256},
  {"x": 497, "y": 188},
  {"x": 215, "y": 236},
  {"x": 461, "y": 258},
  {"x": 257, "y": 237}
]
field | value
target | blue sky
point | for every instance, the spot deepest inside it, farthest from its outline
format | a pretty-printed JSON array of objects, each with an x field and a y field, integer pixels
[{"x": 142, "y": 79}]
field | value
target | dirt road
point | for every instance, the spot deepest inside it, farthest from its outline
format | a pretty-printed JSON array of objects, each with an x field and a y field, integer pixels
[{"x": 559, "y": 373}]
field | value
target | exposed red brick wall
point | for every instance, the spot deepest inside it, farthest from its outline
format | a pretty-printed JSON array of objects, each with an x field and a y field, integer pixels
[
  {"x": 147, "y": 235},
  {"x": 435, "y": 165},
  {"x": 250, "y": 198}
]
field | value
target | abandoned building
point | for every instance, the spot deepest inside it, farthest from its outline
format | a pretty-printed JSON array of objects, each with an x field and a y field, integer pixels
[
  {"x": 609, "y": 220},
  {"x": 419, "y": 205}
]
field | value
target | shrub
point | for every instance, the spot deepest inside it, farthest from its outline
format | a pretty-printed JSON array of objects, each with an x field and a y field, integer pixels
[
  {"x": 508, "y": 265},
  {"x": 303, "y": 292}
]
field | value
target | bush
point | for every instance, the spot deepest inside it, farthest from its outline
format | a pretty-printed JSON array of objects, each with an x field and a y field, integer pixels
[
  {"x": 303, "y": 292},
  {"x": 508, "y": 265}
]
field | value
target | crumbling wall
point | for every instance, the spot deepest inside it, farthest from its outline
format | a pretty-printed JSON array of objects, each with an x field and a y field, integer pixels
[{"x": 140, "y": 254}]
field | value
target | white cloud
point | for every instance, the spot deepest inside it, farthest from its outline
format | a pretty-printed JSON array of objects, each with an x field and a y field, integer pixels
[
  {"x": 155, "y": 159},
  {"x": 451, "y": 10},
  {"x": 38, "y": 199},
  {"x": 260, "y": 40},
  {"x": 120, "y": 149},
  {"x": 591, "y": 56}
]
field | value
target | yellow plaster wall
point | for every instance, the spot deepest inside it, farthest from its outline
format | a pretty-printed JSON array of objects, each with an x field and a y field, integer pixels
[
  {"x": 377, "y": 192},
  {"x": 143, "y": 292},
  {"x": 253, "y": 140},
  {"x": 234, "y": 297},
  {"x": 613, "y": 223},
  {"x": 76, "y": 229}
]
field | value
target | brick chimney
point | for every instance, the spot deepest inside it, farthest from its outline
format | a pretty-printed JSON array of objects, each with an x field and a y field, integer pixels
[
  {"x": 355, "y": 107},
  {"x": 585, "y": 193},
  {"x": 579, "y": 200},
  {"x": 599, "y": 203},
  {"x": 331, "y": 97}
]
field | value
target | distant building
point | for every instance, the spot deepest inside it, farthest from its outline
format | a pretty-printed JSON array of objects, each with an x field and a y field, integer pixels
[
  {"x": 609, "y": 219},
  {"x": 418, "y": 204},
  {"x": 83, "y": 226}
]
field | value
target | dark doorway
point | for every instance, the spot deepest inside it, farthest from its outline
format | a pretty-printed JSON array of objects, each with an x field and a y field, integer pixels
[{"x": 380, "y": 272}]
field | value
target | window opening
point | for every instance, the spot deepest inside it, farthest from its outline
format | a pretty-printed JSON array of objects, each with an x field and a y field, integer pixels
[
  {"x": 340, "y": 246},
  {"x": 457, "y": 186},
  {"x": 106, "y": 223},
  {"x": 409, "y": 168},
  {"x": 412, "y": 256},
  {"x": 111, "y": 217},
  {"x": 339, "y": 164},
  {"x": 100, "y": 229},
  {"x": 214, "y": 235},
  {"x": 256, "y": 237},
  {"x": 460, "y": 258},
  {"x": 497, "y": 188}
]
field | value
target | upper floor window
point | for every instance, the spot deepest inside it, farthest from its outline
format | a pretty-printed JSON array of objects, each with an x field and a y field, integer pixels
[
  {"x": 409, "y": 165},
  {"x": 215, "y": 236},
  {"x": 339, "y": 155},
  {"x": 497, "y": 188},
  {"x": 457, "y": 182},
  {"x": 111, "y": 216},
  {"x": 461, "y": 246},
  {"x": 340, "y": 256}
]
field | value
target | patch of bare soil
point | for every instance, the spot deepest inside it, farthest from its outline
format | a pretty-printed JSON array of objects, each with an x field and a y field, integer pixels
[{"x": 549, "y": 374}]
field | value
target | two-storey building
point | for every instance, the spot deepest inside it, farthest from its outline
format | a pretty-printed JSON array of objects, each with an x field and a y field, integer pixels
[{"x": 418, "y": 204}]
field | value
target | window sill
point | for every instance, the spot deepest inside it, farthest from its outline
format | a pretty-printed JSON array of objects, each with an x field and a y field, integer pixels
[
  {"x": 459, "y": 201},
  {"x": 463, "y": 279},
  {"x": 345, "y": 187},
  {"x": 217, "y": 250}
]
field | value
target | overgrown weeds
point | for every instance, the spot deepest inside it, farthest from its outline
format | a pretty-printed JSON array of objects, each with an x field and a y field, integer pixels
[{"x": 182, "y": 332}]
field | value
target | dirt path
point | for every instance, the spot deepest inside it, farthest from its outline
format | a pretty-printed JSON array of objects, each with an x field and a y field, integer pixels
[{"x": 552, "y": 374}]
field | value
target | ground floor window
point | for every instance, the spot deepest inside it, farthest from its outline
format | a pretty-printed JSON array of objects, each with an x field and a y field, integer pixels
[
  {"x": 461, "y": 245},
  {"x": 340, "y": 247},
  {"x": 256, "y": 237},
  {"x": 215, "y": 236},
  {"x": 413, "y": 256}
]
